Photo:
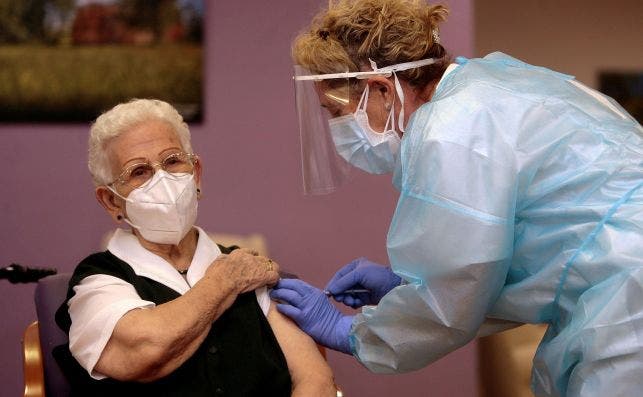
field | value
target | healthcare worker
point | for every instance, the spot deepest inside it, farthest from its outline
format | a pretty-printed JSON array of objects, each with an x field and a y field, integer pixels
[{"x": 521, "y": 200}]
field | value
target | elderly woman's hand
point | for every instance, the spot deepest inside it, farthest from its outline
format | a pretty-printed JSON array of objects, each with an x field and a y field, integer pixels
[{"x": 246, "y": 270}]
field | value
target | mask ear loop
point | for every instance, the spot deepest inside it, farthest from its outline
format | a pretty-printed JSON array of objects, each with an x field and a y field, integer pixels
[
  {"x": 400, "y": 95},
  {"x": 390, "y": 120},
  {"x": 111, "y": 189},
  {"x": 122, "y": 217},
  {"x": 363, "y": 99},
  {"x": 131, "y": 223}
]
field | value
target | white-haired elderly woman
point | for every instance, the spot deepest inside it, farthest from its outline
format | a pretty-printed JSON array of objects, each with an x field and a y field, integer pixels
[{"x": 164, "y": 311}]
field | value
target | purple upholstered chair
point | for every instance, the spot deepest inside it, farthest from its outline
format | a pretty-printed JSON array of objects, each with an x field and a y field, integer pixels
[{"x": 50, "y": 294}]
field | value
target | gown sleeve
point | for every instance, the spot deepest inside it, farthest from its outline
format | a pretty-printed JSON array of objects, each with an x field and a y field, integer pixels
[{"x": 450, "y": 240}]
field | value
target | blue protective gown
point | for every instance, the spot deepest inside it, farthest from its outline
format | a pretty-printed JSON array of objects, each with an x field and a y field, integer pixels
[{"x": 521, "y": 199}]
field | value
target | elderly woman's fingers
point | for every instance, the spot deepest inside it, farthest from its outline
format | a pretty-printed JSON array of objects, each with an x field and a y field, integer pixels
[
  {"x": 250, "y": 254},
  {"x": 248, "y": 271},
  {"x": 273, "y": 272},
  {"x": 273, "y": 266},
  {"x": 269, "y": 265},
  {"x": 250, "y": 251}
]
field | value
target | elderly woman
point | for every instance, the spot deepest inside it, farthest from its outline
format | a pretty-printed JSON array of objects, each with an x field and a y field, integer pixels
[{"x": 165, "y": 311}]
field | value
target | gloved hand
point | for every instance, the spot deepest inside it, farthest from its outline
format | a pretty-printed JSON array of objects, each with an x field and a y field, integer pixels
[
  {"x": 314, "y": 313},
  {"x": 362, "y": 274}
]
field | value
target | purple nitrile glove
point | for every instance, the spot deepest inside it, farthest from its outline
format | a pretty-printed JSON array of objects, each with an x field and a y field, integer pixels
[
  {"x": 314, "y": 313},
  {"x": 362, "y": 274}
]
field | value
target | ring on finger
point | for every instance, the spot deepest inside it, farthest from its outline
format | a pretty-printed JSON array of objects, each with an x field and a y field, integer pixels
[{"x": 270, "y": 266}]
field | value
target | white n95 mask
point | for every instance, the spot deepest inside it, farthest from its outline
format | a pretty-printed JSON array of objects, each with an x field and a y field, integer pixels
[
  {"x": 357, "y": 143},
  {"x": 164, "y": 209}
]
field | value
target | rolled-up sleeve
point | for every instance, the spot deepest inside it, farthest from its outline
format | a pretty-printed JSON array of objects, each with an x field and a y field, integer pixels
[{"x": 99, "y": 302}]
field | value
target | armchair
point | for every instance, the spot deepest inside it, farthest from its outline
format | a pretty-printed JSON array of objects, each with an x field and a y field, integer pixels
[{"x": 42, "y": 375}]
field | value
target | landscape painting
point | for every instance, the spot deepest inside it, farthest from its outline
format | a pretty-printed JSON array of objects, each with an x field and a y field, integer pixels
[{"x": 67, "y": 61}]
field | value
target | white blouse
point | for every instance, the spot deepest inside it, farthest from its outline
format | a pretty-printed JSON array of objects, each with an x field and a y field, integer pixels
[{"x": 101, "y": 300}]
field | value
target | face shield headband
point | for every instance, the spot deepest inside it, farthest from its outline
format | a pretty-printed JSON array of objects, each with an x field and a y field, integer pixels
[{"x": 321, "y": 97}]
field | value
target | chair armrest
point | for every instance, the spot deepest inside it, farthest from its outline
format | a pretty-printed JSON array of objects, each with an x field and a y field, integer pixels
[{"x": 32, "y": 355}]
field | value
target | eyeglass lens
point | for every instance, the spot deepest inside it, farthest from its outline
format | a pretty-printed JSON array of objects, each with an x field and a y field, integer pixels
[{"x": 138, "y": 174}]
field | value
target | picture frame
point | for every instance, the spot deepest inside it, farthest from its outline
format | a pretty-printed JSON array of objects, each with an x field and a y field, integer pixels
[
  {"x": 67, "y": 61},
  {"x": 626, "y": 88}
]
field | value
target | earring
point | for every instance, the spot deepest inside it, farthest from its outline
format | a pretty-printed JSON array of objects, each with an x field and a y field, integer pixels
[
  {"x": 387, "y": 106},
  {"x": 119, "y": 217},
  {"x": 198, "y": 191}
]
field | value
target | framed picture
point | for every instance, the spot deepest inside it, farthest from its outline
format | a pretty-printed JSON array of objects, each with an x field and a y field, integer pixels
[
  {"x": 70, "y": 60},
  {"x": 626, "y": 88}
]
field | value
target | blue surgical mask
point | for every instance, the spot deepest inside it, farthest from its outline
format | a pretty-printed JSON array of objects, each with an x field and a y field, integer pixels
[{"x": 357, "y": 143}]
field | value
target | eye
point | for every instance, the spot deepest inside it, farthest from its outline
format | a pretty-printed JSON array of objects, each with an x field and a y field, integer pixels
[
  {"x": 171, "y": 160},
  {"x": 178, "y": 162},
  {"x": 140, "y": 171},
  {"x": 333, "y": 111},
  {"x": 174, "y": 159}
]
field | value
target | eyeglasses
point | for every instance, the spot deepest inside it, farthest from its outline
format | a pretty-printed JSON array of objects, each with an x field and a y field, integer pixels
[{"x": 136, "y": 175}]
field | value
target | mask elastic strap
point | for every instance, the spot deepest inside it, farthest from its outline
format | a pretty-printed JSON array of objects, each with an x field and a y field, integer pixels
[
  {"x": 111, "y": 189},
  {"x": 124, "y": 198},
  {"x": 400, "y": 95},
  {"x": 131, "y": 223},
  {"x": 363, "y": 99},
  {"x": 390, "y": 120},
  {"x": 398, "y": 86}
]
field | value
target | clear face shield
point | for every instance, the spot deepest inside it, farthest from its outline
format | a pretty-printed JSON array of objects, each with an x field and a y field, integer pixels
[
  {"x": 318, "y": 101},
  {"x": 321, "y": 98}
]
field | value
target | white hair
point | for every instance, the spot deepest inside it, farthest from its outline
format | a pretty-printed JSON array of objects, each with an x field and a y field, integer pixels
[{"x": 119, "y": 119}]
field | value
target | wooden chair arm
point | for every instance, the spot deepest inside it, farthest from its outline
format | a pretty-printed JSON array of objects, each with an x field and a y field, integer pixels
[{"x": 32, "y": 355}]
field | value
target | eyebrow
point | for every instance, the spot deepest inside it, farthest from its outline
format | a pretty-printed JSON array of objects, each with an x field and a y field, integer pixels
[
  {"x": 174, "y": 148},
  {"x": 137, "y": 160}
]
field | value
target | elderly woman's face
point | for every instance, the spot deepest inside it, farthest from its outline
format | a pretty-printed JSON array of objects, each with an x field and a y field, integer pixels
[{"x": 150, "y": 141}]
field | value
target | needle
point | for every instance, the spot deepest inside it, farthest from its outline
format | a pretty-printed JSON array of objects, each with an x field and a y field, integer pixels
[{"x": 348, "y": 291}]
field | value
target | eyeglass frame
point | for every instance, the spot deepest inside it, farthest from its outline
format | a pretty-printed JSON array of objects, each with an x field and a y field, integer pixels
[{"x": 192, "y": 157}]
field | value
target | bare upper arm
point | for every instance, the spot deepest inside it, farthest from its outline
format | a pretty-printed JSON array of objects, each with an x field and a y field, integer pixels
[
  {"x": 305, "y": 362},
  {"x": 114, "y": 360}
]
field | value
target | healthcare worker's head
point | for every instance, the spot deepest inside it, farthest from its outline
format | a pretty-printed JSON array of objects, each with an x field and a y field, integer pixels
[
  {"x": 141, "y": 162},
  {"x": 363, "y": 67}
]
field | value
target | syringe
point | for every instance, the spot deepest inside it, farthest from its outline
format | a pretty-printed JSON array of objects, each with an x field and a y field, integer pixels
[{"x": 348, "y": 291}]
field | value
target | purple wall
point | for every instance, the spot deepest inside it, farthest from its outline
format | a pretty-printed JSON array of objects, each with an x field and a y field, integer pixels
[{"x": 250, "y": 150}]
